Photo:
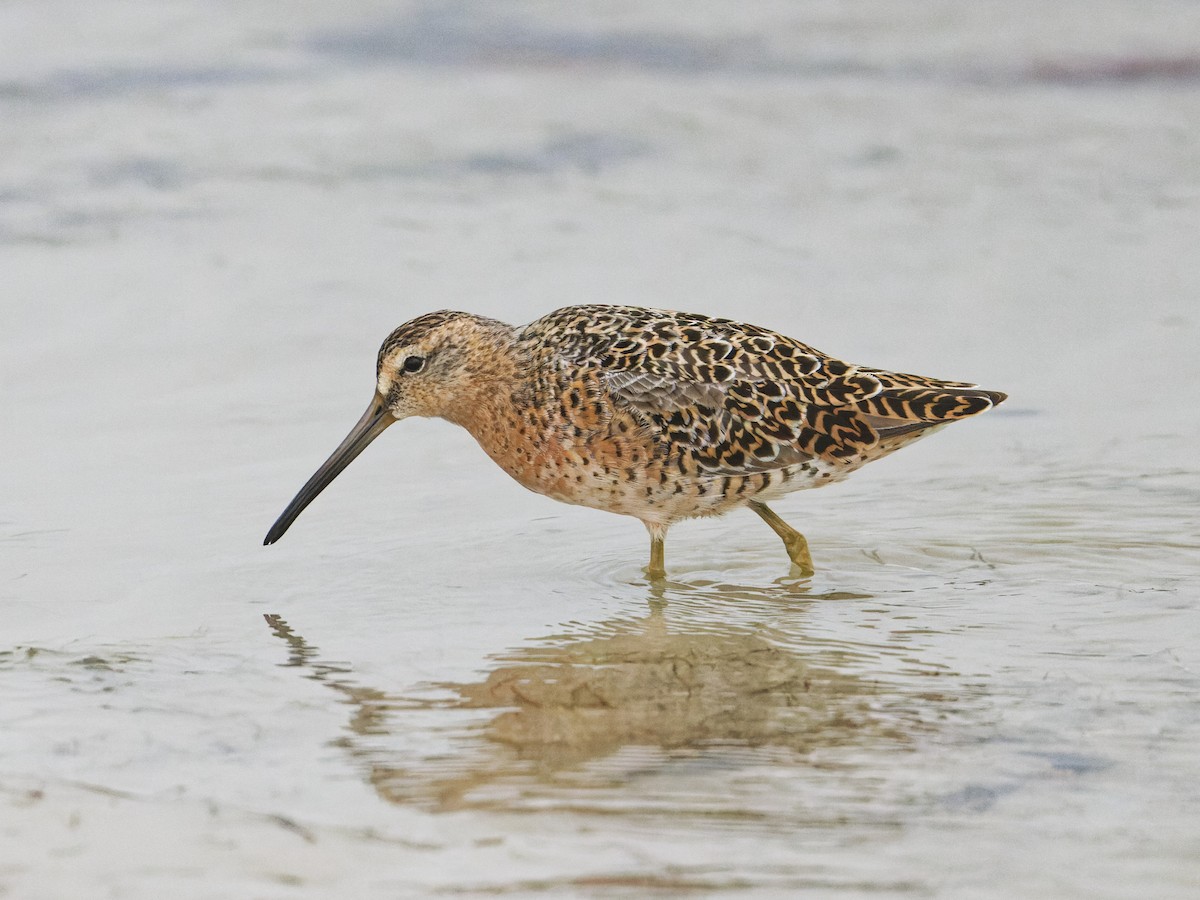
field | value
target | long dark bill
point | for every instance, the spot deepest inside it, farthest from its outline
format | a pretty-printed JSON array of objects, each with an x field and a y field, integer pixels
[{"x": 370, "y": 426}]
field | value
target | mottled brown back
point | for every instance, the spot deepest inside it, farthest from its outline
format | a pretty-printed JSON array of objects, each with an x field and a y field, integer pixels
[{"x": 743, "y": 398}]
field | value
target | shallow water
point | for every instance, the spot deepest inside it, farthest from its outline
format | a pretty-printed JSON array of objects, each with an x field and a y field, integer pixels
[{"x": 438, "y": 683}]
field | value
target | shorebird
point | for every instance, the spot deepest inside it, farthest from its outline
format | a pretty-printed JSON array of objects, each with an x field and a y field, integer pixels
[{"x": 649, "y": 413}]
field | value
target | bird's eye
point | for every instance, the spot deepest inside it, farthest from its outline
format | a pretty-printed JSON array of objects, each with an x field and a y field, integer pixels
[{"x": 414, "y": 364}]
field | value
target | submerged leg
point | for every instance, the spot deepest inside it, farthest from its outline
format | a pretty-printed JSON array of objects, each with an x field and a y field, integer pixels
[
  {"x": 656, "y": 568},
  {"x": 797, "y": 546}
]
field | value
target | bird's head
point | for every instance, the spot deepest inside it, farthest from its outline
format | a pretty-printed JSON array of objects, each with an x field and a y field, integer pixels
[{"x": 435, "y": 365}]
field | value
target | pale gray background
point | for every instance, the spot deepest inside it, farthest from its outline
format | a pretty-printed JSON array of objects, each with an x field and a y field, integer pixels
[{"x": 212, "y": 212}]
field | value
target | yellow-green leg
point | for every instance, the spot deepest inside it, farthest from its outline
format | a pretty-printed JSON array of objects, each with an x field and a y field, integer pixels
[
  {"x": 656, "y": 569},
  {"x": 797, "y": 546}
]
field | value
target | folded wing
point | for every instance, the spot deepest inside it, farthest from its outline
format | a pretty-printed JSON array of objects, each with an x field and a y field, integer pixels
[{"x": 743, "y": 398}]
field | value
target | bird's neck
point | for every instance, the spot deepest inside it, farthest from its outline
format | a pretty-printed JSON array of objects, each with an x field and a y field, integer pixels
[
  {"x": 498, "y": 410},
  {"x": 485, "y": 403}
]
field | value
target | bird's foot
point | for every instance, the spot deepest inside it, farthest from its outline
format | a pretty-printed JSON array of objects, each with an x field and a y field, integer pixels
[
  {"x": 797, "y": 550},
  {"x": 657, "y": 570}
]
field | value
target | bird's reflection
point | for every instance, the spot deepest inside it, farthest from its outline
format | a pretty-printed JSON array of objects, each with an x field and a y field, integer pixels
[{"x": 581, "y": 710}]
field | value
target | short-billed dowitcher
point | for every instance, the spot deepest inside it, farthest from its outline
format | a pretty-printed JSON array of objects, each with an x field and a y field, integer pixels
[{"x": 649, "y": 413}]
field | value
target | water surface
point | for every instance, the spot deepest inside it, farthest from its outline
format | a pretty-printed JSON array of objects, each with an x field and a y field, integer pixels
[{"x": 438, "y": 683}]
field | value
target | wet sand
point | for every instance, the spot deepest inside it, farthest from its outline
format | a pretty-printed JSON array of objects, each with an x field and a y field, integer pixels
[{"x": 438, "y": 683}]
